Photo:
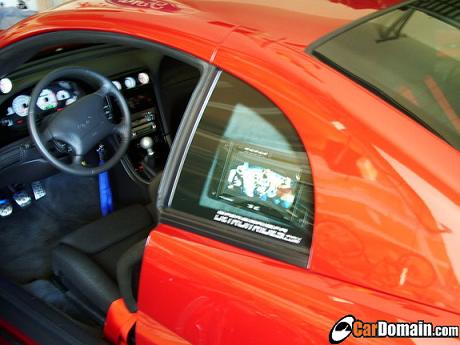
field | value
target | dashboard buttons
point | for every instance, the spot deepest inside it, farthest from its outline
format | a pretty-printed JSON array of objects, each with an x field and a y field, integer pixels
[
  {"x": 143, "y": 124},
  {"x": 149, "y": 116}
]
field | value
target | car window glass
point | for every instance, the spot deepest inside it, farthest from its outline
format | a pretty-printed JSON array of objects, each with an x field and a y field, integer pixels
[
  {"x": 247, "y": 169},
  {"x": 410, "y": 56}
]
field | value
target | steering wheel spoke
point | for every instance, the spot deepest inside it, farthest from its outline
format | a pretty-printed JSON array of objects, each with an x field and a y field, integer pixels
[
  {"x": 105, "y": 90},
  {"x": 121, "y": 130}
]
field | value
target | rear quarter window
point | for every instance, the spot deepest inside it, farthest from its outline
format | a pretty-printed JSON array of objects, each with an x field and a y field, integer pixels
[{"x": 247, "y": 171}]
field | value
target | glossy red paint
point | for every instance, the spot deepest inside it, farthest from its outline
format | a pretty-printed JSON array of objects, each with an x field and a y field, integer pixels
[
  {"x": 386, "y": 221},
  {"x": 387, "y": 193},
  {"x": 211, "y": 293},
  {"x": 195, "y": 26},
  {"x": 118, "y": 323},
  {"x": 400, "y": 217}
]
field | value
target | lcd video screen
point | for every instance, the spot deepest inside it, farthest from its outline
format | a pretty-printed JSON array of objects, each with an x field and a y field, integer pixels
[{"x": 259, "y": 180}]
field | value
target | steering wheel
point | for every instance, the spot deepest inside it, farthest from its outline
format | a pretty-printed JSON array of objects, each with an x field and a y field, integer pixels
[{"x": 82, "y": 124}]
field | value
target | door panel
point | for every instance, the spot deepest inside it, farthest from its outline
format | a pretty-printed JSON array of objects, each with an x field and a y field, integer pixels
[{"x": 198, "y": 290}]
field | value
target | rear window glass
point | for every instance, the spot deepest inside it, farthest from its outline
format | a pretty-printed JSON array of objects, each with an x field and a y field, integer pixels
[{"x": 411, "y": 57}]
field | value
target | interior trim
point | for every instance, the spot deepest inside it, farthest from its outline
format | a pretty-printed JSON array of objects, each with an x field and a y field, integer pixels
[{"x": 185, "y": 134}]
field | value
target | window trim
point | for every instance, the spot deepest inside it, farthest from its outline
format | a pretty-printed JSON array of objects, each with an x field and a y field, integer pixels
[
  {"x": 242, "y": 239},
  {"x": 310, "y": 49},
  {"x": 185, "y": 134}
]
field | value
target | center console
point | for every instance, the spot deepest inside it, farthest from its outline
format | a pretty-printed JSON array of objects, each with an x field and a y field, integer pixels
[{"x": 148, "y": 149}]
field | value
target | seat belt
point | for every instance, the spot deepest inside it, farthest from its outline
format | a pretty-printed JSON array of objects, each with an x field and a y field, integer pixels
[{"x": 105, "y": 192}]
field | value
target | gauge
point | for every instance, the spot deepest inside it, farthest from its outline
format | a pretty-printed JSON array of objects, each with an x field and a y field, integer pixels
[
  {"x": 6, "y": 85},
  {"x": 117, "y": 84},
  {"x": 130, "y": 82},
  {"x": 47, "y": 100},
  {"x": 62, "y": 95},
  {"x": 65, "y": 84},
  {"x": 21, "y": 105},
  {"x": 71, "y": 100},
  {"x": 143, "y": 78}
]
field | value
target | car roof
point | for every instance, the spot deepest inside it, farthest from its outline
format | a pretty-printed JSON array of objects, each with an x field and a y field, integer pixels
[
  {"x": 293, "y": 23},
  {"x": 297, "y": 22}
]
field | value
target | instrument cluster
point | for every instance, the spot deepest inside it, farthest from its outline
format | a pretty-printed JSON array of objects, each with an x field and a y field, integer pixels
[{"x": 55, "y": 97}]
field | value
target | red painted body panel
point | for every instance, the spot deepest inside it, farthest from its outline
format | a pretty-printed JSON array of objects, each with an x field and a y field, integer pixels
[
  {"x": 387, "y": 199},
  {"x": 196, "y": 26},
  {"x": 118, "y": 323},
  {"x": 387, "y": 191},
  {"x": 402, "y": 213},
  {"x": 211, "y": 293}
]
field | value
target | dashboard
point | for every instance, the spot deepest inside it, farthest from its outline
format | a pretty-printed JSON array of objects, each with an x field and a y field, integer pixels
[
  {"x": 136, "y": 86},
  {"x": 139, "y": 74},
  {"x": 55, "y": 97},
  {"x": 131, "y": 71},
  {"x": 138, "y": 90}
]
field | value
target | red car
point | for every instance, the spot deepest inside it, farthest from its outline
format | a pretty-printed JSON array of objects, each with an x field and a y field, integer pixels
[{"x": 231, "y": 172}]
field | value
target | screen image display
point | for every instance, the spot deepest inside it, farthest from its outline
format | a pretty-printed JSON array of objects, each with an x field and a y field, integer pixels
[{"x": 259, "y": 180}]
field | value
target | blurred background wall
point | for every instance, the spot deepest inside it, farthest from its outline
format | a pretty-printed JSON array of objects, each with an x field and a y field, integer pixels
[{"x": 33, "y": 5}]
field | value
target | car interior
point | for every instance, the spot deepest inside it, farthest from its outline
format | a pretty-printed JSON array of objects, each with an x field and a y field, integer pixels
[{"x": 104, "y": 104}]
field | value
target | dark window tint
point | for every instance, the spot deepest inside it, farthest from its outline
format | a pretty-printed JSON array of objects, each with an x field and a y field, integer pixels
[
  {"x": 411, "y": 56},
  {"x": 247, "y": 170}
]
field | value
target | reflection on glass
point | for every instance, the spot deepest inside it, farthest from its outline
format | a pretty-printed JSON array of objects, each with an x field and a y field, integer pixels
[{"x": 411, "y": 56}]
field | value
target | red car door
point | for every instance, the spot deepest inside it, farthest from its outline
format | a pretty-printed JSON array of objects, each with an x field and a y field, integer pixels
[{"x": 229, "y": 262}]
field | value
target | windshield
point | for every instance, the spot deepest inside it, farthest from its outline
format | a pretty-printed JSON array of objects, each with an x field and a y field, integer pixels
[{"x": 411, "y": 57}]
